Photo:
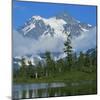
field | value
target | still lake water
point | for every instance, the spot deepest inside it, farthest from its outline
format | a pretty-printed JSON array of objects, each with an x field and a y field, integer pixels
[{"x": 39, "y": 90}]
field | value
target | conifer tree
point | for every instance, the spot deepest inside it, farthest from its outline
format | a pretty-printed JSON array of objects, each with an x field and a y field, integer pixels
[
  {"x": 81, "y": 61},
  {"x": 75, "y": 61},
  {"x": 39, "y": 69},
  {"x": 88, "y": 62},
  {"x": 94, "y": 60},
  {"x": 23, "y": 70},
  {"x": 60, "y": 66},
  {"x": 23, "y": 65},
  {"x": 30, "y": 70},
  {"x": 68, "y": 51},
  {"x": 50, "y": 65}
]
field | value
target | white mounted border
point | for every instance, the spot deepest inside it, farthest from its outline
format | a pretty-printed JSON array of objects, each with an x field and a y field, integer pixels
[
  {"x": 83, "y": 2},
  {"x": 6, "y": 47}
]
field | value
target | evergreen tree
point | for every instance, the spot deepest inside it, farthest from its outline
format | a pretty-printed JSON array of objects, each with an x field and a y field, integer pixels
[
  {"x": 87, "y": 60},
  {"x": 23, "y": 70},
  {"x": 68, "y": 51},
  {"x": 94, "y": 60},
  {"x": 50, "y": 65},
  {"x": 74, "y": 61},
  {"x": 94, "y": 57},
  {"x": 40, "y": 69},
  {"x": 23, "y": 65},
  {"x": 88, "y": 63},
  {"x": 81, "y": 61},
  {"x": 60, "y": 66},
  {"x": 30, "y": 70}
]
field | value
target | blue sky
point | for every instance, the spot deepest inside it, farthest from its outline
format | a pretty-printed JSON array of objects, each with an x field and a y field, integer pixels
[{"x": 22, "y": 11}]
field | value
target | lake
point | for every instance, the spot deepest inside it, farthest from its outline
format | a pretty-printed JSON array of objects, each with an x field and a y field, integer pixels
[{"x": 39, "y": 90}]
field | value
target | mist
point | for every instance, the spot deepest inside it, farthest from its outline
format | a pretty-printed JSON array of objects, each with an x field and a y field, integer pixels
[
  {"x": 23, "y": 45},
  {"x": 85, "y": 41}
]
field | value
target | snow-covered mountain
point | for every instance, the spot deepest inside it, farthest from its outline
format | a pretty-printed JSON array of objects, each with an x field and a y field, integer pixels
[
  {"x": 39, "y": 35},
  {"x": 61, "y": 24}
]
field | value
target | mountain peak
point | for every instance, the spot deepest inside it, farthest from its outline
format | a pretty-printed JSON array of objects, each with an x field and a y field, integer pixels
[
  {"x": 37, "y": 17},
  {"x": 63, "y": 13},
  {"x": 58, "y": 25},
  {"x": 66, "y": 17}
]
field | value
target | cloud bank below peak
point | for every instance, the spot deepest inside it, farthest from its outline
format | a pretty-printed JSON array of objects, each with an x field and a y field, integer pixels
[
  {"x": 85, "y": 41},
  {"x": 23, "y": 45}
]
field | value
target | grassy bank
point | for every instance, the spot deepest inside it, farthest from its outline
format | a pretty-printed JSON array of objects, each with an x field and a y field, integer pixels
[{"x": 72, "y": 76}]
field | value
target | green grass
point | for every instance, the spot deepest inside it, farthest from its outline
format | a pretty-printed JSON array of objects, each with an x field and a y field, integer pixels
[{"x": 72, "y": 76}]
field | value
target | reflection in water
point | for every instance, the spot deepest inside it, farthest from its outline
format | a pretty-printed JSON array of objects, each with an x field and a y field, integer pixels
[
  {"x": 36, "y": 90},
  {"x": 46, "y": 90}
]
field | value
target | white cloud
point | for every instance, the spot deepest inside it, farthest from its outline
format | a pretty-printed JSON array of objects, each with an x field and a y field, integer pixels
[
  {"x": 23, "y": 45},
  {"x": 85, "y": 41}
]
